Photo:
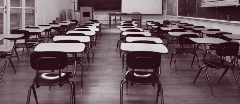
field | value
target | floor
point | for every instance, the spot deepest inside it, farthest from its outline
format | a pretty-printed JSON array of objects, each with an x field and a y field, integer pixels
[{"x": 102, "y": 81}]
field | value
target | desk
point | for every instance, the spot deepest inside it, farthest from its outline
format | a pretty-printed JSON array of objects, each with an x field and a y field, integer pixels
[
  {"x": 180, "y": 33},
  {"x": 232, "y": 36},
  {"x": 131, "y": 39},
  {"x": 207, "y": 40},
  {"x": 144, "y": 33},
  {"x": 84, "y": 39},
  {"x": 14, "y": 38},
  {"x": 92, "y": 29},
  {"x": 89, "y": 33},
  {"x": 170, "y": 28},
  {"x": 125, "y": 29},
  {"x": 144, "y": 47},
  {"x": 123, "y": 14}
]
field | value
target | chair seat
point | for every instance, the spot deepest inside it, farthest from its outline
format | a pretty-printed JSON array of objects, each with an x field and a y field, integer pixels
[
  {"x": 216, "y": 63},
  {"x": 50, "y": 79},
  {"x": 141, "y": 77}
]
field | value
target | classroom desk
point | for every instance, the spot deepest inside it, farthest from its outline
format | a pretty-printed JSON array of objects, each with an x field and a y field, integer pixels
[
  {"x": 180, "y": 33},
  {"x": 144, "y": 33},
  {"x": 89, "y": 33},
  {"x": 131, "y": 39},
  {"x": 84, "y": 39},
  {"x": 124, "y": 29},
  {"x": 170, "y": 28},
  {"x": 128, "y": 47},
  {"x": 144, "y": 47},
  {"x": 232, "y": 36},
  {"x": 123, "y": 14},
  {"x": 207, "y": 40},
  {"x": 92, "y": 29}
]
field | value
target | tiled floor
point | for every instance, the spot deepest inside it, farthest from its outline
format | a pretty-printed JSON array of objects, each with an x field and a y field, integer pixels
[{"x": 102, "y": 81}]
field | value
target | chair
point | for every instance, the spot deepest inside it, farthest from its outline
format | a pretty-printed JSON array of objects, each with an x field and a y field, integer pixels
[
  {"x": 136, "y": 17},
  {"x": 122, "y": 38},
  {"x": 166, "y": 22},
  {"x": 171, "y": 39},
  {"x": 6, "y": 55},
  {"x": 25, "y": 44},
  {"x": 186, "y": 46},
  {"x": 55, "y": 28},
  {"x": 47, "y": 34},
  {"x": 45, "y": 63},
  {"x": 223, "y": 50},
  {"x": 143, "y": 60}
]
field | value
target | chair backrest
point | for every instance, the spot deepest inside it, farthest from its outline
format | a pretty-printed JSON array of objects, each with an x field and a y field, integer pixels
[
  {"x": 199, "y": 27},
  {"x": 128, "y": 27},
  {"x": 144, "y": 41},
  {"x": 184, "y": 38},
  {"x": 166, "y": 22},
  {"x": 48, "y": 60},
  {"x": 213, "y": 30},
  {"x": 135, "y": 35},
  {"x": 67, "y": 41},
  {"x": 225, "y": 38},
  {"x": 188, "y": 25},
  {"x": 227, "y": 49},
  {"x": 82, "y": 30},
  {"x": 130, "y": 24},
  {"x": 143, "y": 60},
  {"x": 133, "y": 30},
  {"x": 177, "y": 30}
]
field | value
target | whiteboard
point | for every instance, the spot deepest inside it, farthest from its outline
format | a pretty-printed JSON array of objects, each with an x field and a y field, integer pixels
[{"x": 142, "y": 6}]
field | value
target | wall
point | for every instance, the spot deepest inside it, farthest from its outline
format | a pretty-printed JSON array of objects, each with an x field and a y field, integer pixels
[
  {"x": 103, "y": 17},
  {"x": 49, "y": 10}
]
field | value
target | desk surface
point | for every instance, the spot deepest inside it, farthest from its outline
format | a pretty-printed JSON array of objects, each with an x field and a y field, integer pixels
[
  {"x": 131, "y": 39},
  {"x": 11, "y": 36},
  {"x": 144, "y": 47},
  {"x": 170, "y": 28},
  {"x": 63, "y": 47},
  {"x": 232, "y": 36},
  {"x": 144, "y": 33},
  {"x": 125, "y": 29},
  {"x": 180, "y": 33},
  {"x": 89, "y": 33},
  {"x": 208, "y": 40},
  {"x": 33, "y": 29},
  {"x": 91, "y": 28},
  {"x": 79, "y": 38},
  {"x": 212, "y": 32}
]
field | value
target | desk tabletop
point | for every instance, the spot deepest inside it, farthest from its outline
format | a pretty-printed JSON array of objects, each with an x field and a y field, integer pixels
[
  {"x": 144, "y": 47},
  {"x": 200, "y": 29},
  {"x": 33, "y": 29},
  {"x": 125, "y": 29},
  {"x": 79, "y": 38},
  {"x": 212, "y": 32},
  {"x": 180, "y": 33},
  {"x": 208, "y": 40},
  {"x": 131, "y": 39},
  {"x": 63, "y": 47},
  {"x": 169, "y": 28},
  {"x": 232, "y": 36},
  {"x": 144, "y": 33},
  {"x": 11, "y": 36},
  {"x": 91, "y": 28},
  {"x": 89, "y": 33}
]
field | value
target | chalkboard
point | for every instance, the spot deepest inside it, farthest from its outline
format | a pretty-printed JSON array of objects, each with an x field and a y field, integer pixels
[
  {"x": 101, "y": 4},
  {"x": 192, "y": 8}
]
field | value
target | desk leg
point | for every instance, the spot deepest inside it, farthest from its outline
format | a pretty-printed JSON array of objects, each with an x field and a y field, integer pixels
[
  {"x": 109, "y": 22},
  {"x": 14, "y": 48},
  {"x": 140, "y": 21}
]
